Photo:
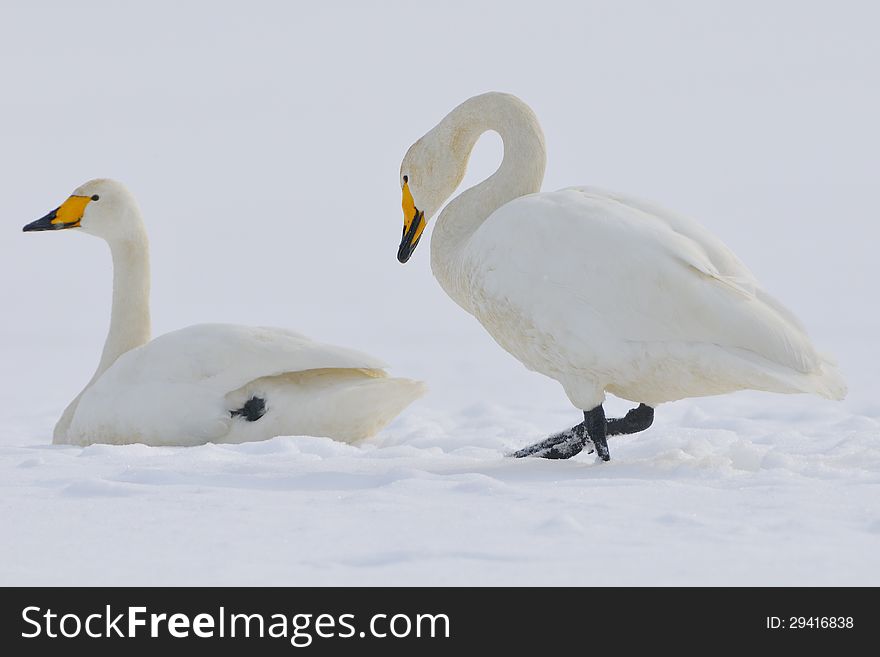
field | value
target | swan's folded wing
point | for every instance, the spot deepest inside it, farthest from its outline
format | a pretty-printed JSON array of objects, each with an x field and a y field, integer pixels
[
  {"x": 174, "y": 386},
  {"x": 711, "y": 254},
  {"x": 594, "y": 271},
  {"x": 227, "y": 356},
  {"x": 727, "y": 266}
]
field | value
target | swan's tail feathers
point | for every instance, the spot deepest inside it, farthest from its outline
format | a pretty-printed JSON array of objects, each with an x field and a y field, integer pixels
[
  {"x": 349, "y": 405},
  {"x": 371, "y": 404},
  {"x": 757, "y": 373},
  {"x": 352, "y": 405},
  {"x": 830, "y": 382},
  {"x": 825, "y": 381}
]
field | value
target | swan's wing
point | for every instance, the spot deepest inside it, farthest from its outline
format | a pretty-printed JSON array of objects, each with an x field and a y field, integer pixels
[
  {"x": 592, "y": 271},
  {"x": 721, "y": 260},
  {"x": 726, "y": 263},
  {"x": 228, "y": 355},
  {"x": 175, "y": 385}
]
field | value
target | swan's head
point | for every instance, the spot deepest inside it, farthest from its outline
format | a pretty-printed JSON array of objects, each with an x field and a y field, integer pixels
[
  {"x": 429, "y": 174},
  {"x": 104, "y": 208}
]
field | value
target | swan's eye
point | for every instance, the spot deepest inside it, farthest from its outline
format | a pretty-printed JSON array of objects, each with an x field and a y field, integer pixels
[
  {"x": 406, "y": 179},
  {"x": 95, "y": 197}
]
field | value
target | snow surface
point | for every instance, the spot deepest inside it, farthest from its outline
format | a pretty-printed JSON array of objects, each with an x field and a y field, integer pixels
[{"x": 264, "y": 149}]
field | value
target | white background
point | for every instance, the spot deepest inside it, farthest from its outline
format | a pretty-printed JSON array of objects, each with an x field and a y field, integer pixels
[{"x": 263, "y": 141}]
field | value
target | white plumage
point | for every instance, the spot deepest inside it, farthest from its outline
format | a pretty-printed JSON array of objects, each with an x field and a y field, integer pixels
[
  {"x": 597, "y": 290},
  {"x": 188, "y": 387},
  {"x": 179, "y": 389},
  {"x": 633, "y": 300}
]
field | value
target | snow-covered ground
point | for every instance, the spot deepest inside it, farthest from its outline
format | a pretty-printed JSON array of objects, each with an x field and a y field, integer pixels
[
  {"x": 264, "y": 149},
  {"x": 745, "y": 489}
]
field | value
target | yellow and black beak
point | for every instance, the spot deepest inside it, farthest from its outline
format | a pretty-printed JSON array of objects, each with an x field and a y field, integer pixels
[
  {"x": 413, "y": 225},
  {"x": 67, "y": 215}
]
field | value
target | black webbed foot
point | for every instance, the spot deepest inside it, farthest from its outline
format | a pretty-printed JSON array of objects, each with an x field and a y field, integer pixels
[
  {"x": 562, "y": 445},
  {"x": 635, "y": 420},
  {"x": 565, "y": 444}
]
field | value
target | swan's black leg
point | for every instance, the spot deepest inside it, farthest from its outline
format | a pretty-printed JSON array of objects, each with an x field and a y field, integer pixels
[
  {"x": 597, "y": 428},
  {"x": 638, "y": 419},
  {"x": 635, "y": 420}
]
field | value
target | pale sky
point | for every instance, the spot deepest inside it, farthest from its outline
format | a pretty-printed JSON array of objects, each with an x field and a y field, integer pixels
[{"x": 263, "y": 141}]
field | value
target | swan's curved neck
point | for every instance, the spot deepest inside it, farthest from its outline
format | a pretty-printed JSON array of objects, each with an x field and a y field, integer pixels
[
  {"x": 130, "y": 313},
  {"x": 521, "y": 171}
]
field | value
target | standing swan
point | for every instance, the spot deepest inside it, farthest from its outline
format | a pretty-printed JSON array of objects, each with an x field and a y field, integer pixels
[
  {"x": 597, "y": 290},
  {"x": 213, "y": 382}
]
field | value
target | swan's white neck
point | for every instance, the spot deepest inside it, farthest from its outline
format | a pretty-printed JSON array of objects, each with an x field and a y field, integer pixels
[
  {"x": 130, "y": 313},
  {"x": 521, "y": 172}
]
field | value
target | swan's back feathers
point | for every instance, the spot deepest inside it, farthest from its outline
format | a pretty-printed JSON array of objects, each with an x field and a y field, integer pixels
[
  {"x": 227, "y": 356},
  {"x": 601, "y": 273},
  {"x": 725, "y": 264},
  {"x": 718, "y": 260}
]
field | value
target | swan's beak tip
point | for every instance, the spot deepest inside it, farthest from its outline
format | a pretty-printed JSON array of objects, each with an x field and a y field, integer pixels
[
  {"x": 45, "y": 223},
  {"x": 404, "y": 253},
  {"x": 412, "y": 233}
]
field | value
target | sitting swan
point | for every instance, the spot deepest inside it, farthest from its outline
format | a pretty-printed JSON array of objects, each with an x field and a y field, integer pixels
[
  {"x": 597, "y": 290},
  {"x": 213, "y": 382}
]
